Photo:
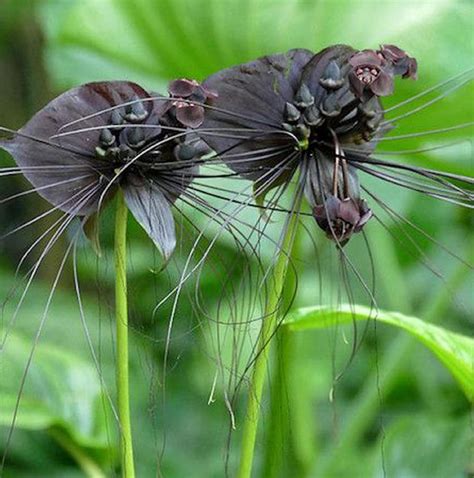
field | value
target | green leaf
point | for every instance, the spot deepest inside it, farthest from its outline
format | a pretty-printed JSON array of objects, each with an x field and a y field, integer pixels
[
  {"x": 62, "y": 395},
  {"x": 455, "y": 351},
  {"x": 159, "y": 40}
]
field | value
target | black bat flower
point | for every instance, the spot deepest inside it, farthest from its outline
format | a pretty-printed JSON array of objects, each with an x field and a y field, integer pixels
[
  {"x": 319, "y": 114},
  {"x": 98, "y": 137}
]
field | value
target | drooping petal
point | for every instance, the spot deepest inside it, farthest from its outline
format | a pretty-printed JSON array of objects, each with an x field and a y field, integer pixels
[
  {"x": 349, "y": 211},
  {"x": 190, "y": 115},
  {"x": 182, "y": 87},
  {"x": 383, "y": 84},
  {"x": 152, "y": 209},
  {"x": 366, "y": 214},
  {"x": 412, "y": 69},
  {"x": 401, "y": 62}
]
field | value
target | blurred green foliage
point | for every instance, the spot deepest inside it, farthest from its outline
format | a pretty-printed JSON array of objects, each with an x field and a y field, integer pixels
[{"x": 395, "y": 411}]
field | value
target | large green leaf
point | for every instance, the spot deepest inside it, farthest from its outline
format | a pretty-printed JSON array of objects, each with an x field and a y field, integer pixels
[
  {"x": 159, "y": 39},
  {"x": 455, "y": 351},
  {"x": 62, "y": 395}
]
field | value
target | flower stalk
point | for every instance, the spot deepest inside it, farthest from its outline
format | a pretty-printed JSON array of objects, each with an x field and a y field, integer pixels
[
  {"x": 290, "y": 444},
  {"x": 269, "y": 325},
  {"x": 121, "y": 318}
]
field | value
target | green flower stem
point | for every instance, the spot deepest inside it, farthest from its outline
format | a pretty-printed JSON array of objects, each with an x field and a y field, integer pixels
[
  {"x": 276, "y": 449},
  {"x": 121, "y": 318},
  {"x": 394, "y": 359},
  {"x": 269, "y": 324},
  {"x": 290, "y": 444},
  {"x": 90, "y": 468}
]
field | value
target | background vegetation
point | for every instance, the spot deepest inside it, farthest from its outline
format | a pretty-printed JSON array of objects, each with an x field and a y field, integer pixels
[{"x": 396, "y": 410}]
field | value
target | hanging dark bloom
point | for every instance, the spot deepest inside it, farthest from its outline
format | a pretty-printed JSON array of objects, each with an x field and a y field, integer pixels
[
  {"x": 90, "y": 141},
  {"x": 342, "y": 217},
  {"x": 319, "y": 114}
]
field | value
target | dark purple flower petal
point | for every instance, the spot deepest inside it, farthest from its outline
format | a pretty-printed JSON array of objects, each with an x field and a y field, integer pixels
[
  {"x": 340, "y": 219},
  {"x": 357, "y": 85},
  {"x": 382, "y": 85},
  {"x": 67, "y": 167},
  {"x": 392, "y": 53},
  {"x": 349, "y": 211},
  {"x": 210, "y": 94},
  {"x": 401, "y": 62},
  {"x": 182, "y": 87},
  {"x": 151, "y": 208},
  {"x": 365, "y": 58},
  {"x": 65, "y": 179},
  {"x": 332, "y": 207},
  {"x": 372, "y": 71},
  {"x": 366, "y": 215},
  {"x": 190, "y": 115},
  {"x": 412, "y": 70}
]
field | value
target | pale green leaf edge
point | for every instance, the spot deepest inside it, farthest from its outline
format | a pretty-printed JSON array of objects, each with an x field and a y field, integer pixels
[{"x": 455, "y": 351}]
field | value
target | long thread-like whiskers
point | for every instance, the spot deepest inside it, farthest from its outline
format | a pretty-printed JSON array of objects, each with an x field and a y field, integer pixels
[
  {"x": 468, "y": 72},
  {"x": 66, "y": 221},
  {"x": 88, "y": 337},
  {"x": 49, "y": 211},
  {"x": 427, "y": 104},
  {"x": 427, "y": 179},
  {"x": 405, "y": 184},
  {"x": 43, "y": 188},
  {"x": 373, "y": 302},
  {"x": 47, "y": 142},
  {"x": 152, "y": 99},
  {"x": 184, "y": 275},
  {"x": 421, "y": 134},
  {"x": 427, "y": 183},
  {"x": 32, "y": 351},
  {"x": 396, "y": 215},
  {"x": 46, "y": 169},
  {"x": 229, "y": 218}
]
